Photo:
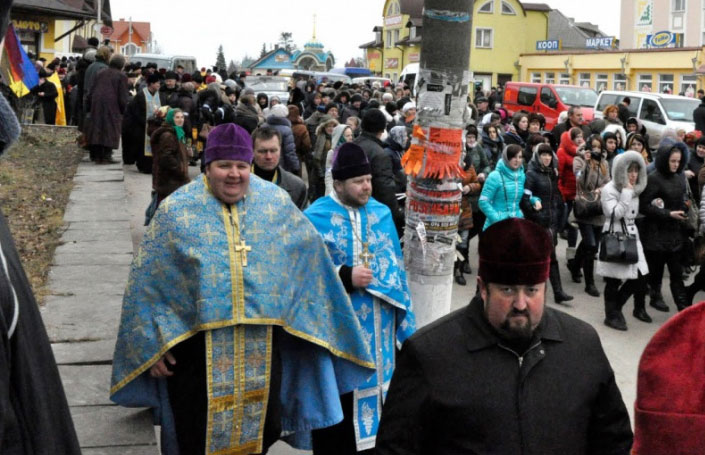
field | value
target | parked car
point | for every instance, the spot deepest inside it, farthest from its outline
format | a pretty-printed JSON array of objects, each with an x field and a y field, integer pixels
[
  {"x": 169, "y": 62},
  {"x": 332, "y": 78},
  {"x": 371, "y": 80},
  {"x": 269, "y": 85},
  {"x": 658, "y": 112},
  {"x": 548, "y": 99}
]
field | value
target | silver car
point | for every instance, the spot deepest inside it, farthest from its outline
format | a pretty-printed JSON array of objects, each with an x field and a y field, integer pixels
[
  {"x": 270, "y": 86},
  {"x": 658, "y": 112}
]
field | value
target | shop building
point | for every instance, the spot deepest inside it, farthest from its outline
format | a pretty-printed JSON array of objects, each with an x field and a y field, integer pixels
[
  {"x": 665, "y": 70},
  {"x": 48, "y": 28},
  {"x": 643, "y": 22},
  {"x": 494, "y": 54}
]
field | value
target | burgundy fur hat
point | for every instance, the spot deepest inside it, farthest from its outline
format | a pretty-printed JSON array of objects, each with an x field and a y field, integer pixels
[
  {"x": 669, "y": 413},
  {"x": 515, "y": 251}
]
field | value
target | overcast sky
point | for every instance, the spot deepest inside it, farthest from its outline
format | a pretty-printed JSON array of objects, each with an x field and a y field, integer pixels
[{"x": 342, "y": 25}]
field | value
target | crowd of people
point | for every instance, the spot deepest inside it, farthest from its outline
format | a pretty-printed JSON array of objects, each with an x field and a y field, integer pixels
[{"x": 256, "y": 312}]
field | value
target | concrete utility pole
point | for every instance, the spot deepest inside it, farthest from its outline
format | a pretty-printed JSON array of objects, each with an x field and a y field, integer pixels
[{"x": 433, "y": 159}]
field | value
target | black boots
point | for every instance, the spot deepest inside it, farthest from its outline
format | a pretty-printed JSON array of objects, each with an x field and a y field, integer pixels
[
  {"x": 613, "y": 315},
  {"x": 458, "y": 273},
  {"x": 656, "y": 300},
  {"x": 574, "y": 269},
  {"x": 613, "y": 307},
  {"x": 640, "y": 308},
  {"x": 559, "y": 296},
  {"x": 589, "y": 272},
  {"x": 574, "y": 263}
]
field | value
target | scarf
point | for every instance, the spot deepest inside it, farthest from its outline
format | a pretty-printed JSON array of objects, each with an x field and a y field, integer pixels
[{"x": 179, "y": 130}]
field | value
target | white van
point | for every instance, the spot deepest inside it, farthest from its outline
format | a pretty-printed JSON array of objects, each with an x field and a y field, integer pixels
[
  {"x": 658, "y": 112},
  {"x": 170, "y": 62},
  {"x": 409, "y": 75}
]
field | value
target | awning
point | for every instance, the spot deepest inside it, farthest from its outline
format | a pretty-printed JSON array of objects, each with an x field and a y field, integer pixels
[
  {"x": 79, "y": 44},
  {"x": 64, "y": 9}
]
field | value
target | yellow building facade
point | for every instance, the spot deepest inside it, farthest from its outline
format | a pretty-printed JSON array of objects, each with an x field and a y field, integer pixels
[
  {"x": 501, "y": 31},
  {"x": 672, "y": 70}
]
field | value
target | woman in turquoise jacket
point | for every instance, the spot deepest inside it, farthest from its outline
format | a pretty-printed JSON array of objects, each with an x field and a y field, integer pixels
[{"x": 504, "y": 188}]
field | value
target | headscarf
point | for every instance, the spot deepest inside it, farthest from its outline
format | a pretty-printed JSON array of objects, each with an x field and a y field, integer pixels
[
  {"x": 180, "y": 134},
  {"x": 398, "y": 134}
]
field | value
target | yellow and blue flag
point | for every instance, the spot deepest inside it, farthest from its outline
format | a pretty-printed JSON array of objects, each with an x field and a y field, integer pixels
[{"x": 16, "y": 67}]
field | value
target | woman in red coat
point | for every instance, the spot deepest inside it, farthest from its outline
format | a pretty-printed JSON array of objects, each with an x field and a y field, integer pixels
[{"x": 571, "y": 140}]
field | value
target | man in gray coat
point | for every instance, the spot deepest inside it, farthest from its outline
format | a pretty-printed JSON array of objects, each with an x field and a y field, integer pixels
[
  {"x": 267, "y": 143},
  {"x": 506, "y": 374}
]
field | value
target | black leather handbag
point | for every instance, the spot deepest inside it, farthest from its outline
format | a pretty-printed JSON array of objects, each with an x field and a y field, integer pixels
[{"x": 618, "y": 247}]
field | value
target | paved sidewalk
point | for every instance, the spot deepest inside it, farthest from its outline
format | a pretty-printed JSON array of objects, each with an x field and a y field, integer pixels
[{"x": 82, "y": 312}]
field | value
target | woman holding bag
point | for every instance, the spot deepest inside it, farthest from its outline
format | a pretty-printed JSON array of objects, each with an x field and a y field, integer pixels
[
  {"x": 620, "y": 204},
  {"x": 591, "y": 175}
]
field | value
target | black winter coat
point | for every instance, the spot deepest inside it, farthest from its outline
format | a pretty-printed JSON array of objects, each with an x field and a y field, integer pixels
[
  {"x": 459, "y": 389},
  {"x": 699, "y": 117},
  {"x": 542, "y": 182},
  {"x": 395, "y": 151},
  {"x": 661, "y": 232},
  {"x": 383, "y": 184}
]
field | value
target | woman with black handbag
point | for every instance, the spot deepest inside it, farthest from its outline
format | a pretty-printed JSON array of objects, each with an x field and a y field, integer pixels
[
  {"x": 620, "y": 205},
  {"x": 665, "y": 231},
  {"x": 591, "y": 175}
]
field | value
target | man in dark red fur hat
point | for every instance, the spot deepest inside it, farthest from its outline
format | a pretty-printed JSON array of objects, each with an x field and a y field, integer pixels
[
  {"x": 669, "y": 413},
  {"x": 506, "y": 374}
]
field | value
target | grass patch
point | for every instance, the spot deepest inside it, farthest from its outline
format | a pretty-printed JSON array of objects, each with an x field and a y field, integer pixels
[{"x": 36, "y": 178}]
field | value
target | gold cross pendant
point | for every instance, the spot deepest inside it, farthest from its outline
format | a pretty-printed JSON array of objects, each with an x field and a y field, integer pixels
[
  {"x": 243, "y": 248},
  {"x": 366, "y": 256}
]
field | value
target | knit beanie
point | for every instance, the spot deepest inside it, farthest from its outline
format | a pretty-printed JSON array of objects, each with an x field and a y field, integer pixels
[
  {"x": 669, "y": 413},
  {"x": 228, "y": 142},
  {"x": 350, "y": 162},
  {"x": 515, "y": 251}
]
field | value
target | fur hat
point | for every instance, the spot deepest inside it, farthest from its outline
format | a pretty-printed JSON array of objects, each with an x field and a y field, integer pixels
[
  {"x": 669, "y": 413},
  {"x": 515, "y": 251},
  {"x": 229, "y": 142},
  {"x": 350, "y": 162},
  {"x": 374, "y": 121},
  {"x": 279, "y": 110}
]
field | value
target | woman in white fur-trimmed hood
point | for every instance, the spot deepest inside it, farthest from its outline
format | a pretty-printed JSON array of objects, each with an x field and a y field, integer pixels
[{"x": 621, "y": 197}]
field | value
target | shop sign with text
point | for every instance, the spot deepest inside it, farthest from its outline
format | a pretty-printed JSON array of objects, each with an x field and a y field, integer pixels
[{"x": 30, "y": 26}]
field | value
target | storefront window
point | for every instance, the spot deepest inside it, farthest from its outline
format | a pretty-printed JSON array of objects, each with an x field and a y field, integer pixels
[
  {"x": 550, "y": 78},
  {"x": 665, "y": 83},
  {"x": 564, "y": 79},
  {"x": 619, "y": 82},
  {"x": 600, "y": 82},
  {"x": 645, "y": 83},
  {"x": 536, "y": 78},
  {"x": 689, "y": 85},
  {"x": 584, "y": 80}
]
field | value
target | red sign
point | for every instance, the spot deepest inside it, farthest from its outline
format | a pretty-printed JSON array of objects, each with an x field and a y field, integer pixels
[
  {"x": 414, "y": 57},
  {"x": 106, "y": 30},
  {"x": 391, "y": 63}
]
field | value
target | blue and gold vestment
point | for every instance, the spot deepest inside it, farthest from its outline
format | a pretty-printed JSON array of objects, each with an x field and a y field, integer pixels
[
  {"x": 188, "y": 276},
  {"x": 383, "y": 308}
]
